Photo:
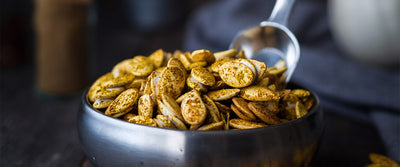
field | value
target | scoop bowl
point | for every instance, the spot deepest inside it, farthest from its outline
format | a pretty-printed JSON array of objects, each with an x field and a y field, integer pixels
[{"x": 271, "y": 41}]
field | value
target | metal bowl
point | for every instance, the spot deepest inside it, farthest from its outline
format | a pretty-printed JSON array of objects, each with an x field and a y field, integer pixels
[{"x": 109, "y": 141}]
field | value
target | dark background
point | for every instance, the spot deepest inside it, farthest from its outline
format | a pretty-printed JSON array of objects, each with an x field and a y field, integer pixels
[{"x": 40, "y": 130}]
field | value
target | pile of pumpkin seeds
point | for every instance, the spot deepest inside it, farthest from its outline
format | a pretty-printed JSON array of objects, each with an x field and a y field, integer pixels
[{"x": 200, "y": 90}]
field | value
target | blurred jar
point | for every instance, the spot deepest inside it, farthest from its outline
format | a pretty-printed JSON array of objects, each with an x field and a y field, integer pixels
[
  {"x": 367, "y": 30},
  {"x": 61, "y": 46}
]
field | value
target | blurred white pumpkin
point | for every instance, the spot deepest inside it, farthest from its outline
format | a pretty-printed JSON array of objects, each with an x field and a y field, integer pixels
[{"x": 368, "y": 30}]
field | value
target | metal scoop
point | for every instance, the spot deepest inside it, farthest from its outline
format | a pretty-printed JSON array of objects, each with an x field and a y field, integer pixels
[{"x": 271, "y": 41}]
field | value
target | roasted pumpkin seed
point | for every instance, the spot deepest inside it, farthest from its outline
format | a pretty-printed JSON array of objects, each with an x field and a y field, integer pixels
[{"x": 193, "y": 91}]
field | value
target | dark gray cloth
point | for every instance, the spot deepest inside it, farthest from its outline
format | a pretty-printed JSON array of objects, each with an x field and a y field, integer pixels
[{"x": 345, "y": 86}]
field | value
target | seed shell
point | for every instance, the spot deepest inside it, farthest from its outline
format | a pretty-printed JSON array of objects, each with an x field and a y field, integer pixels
[
  {"x": 145, "y": 106},
  {"x": 138, "y": 119},
  {"x": 202, "y": 55},
  {"x": 239, "y": 113},
  {"x": 236, "y": 74},
  {"x": 244, "y": 124},
  {"x": 171, "y": 104},
  {"x": 212, "y": 126},
  {"x": 163, "y": 122},
  {"x": 262, "y": 113},
  {"x": 213, "y": 112},
  {"x": 202, "y": 75},
  {"x": 140, "y": 66},
  {"x": 242, "y": 105},
  {"x": 171, "y": 82},
  {"x": 258, "y": 93},
  {"x": 123, "y": 103},
  {"x": 157, "y": 58},
  {"x": 193, "y": 109},
  {"x": 102, "y": 103},
  {"x": 223, "y": 94}
]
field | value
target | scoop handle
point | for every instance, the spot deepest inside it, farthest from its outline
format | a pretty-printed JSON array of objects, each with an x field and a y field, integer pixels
[{"x": 281, "y": 11}]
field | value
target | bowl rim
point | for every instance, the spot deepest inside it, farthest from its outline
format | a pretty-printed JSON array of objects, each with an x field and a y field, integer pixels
[{"x": 313, "y": 110}]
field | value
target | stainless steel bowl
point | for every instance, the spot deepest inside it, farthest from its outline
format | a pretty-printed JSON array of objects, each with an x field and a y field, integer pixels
[{"x": 111, "y": 142}]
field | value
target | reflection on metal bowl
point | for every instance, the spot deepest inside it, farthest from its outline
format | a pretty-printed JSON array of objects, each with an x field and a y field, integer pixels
[{"x": 109, "y": 141}]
